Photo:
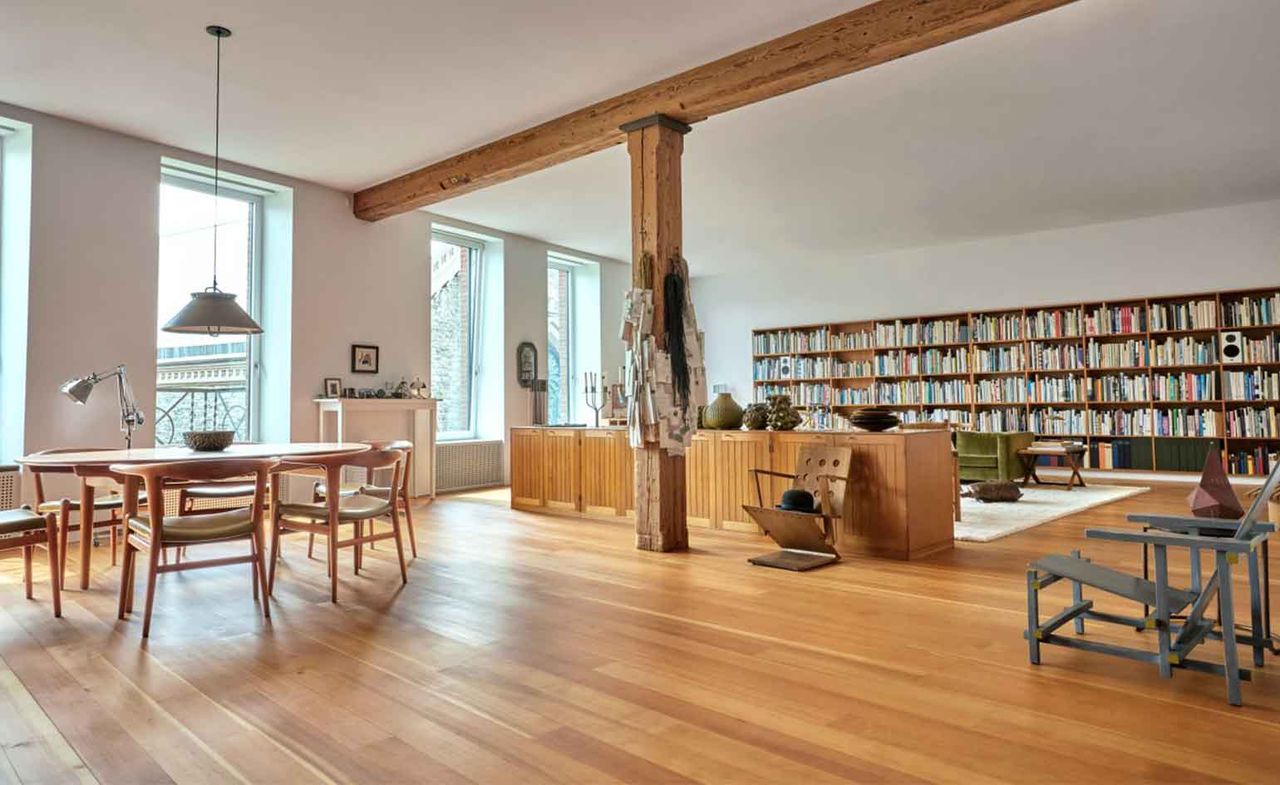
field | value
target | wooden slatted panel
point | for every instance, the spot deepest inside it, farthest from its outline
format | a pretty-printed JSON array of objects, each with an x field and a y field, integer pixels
[
  {"x": 737, "y": 453},
  {"x": 607, "y": 469},
  {"x": 698, "y": 468},
  {"x": 877, "y": 519},
  {"x": 527, "y": 489},
  {"x": 786, "y": 446},
  {"x": 560, "y": 456}
]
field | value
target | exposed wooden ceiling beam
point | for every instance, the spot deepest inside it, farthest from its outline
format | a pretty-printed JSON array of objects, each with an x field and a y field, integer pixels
[{"x": 867, "y": 36}]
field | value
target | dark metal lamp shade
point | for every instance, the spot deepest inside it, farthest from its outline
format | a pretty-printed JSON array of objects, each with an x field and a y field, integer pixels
[{"x": 215, "y": 313}]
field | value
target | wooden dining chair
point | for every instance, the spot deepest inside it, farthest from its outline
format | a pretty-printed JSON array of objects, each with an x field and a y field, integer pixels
[
  {"x": 112, "y": 502},
  {"x": 401, "y": 494},
  {"x": 25, "y": 529},
  {"x": 156, "y": 531},
  {"x": 327, "y": 517}
]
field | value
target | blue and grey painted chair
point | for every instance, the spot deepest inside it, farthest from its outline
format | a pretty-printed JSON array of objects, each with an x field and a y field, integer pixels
[{"x": 1176, "y": 638}]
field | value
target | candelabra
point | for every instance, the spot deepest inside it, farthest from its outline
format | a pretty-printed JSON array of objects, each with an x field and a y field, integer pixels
[{"x": 592, "y": 385}]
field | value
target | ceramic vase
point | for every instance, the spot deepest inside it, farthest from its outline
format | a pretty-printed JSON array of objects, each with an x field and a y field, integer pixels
[{"x": 722, "y": 414}]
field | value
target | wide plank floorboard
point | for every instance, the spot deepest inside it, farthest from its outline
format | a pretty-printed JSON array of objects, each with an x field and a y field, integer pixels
[{"x": 540, "y": 649}]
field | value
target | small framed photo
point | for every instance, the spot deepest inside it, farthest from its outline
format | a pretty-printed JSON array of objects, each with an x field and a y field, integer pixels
[
  {"x": 364, "y": 359},
  {"x": 332, "y": 387}
]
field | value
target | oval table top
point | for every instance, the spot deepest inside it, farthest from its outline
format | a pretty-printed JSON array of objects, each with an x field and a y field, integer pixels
[{"x": 67, "y": 460}]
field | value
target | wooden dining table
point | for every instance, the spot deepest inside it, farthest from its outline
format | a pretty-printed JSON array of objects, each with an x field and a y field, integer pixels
[{"x": 97, "y": 464}]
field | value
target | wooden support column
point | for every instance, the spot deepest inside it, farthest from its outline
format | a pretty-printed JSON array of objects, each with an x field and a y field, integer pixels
[{"x": 655, "y": 144}]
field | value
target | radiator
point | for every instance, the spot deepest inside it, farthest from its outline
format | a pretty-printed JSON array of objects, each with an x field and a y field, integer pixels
[
  {"x": 10, "y": 487},
  {"x": 470, "y": 464}
]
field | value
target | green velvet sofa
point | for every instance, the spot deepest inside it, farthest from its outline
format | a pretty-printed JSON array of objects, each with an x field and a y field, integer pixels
[{"x": 991, "y": 456}]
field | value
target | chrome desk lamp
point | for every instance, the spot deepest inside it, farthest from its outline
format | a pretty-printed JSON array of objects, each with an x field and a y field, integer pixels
[{"x": 131, "y": 416}]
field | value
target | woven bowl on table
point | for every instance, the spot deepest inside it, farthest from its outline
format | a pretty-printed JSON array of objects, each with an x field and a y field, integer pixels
[{"x": 209, "y": 441}]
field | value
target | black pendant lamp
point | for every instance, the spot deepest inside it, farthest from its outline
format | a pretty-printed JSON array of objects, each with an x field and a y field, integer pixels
[{"x": 214, "y": 311}]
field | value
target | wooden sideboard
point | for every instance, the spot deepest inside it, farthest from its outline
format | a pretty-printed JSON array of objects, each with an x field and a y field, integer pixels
[{"x": 899, "y": 505}]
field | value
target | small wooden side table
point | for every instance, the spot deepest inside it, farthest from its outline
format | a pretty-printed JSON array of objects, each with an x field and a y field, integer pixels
[{"x": 1072, "y": 453}]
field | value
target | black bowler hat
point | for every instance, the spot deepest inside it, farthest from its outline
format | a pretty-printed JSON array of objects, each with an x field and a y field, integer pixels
[{"x": 797, "y": 500}]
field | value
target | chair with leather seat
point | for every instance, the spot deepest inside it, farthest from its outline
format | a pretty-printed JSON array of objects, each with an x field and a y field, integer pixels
[
  {"x": 112, "y": 502},
  {"x": 25, "y": 529},
  {"x": 156, "y": 531},
  {"x": 329, "y": 516},
  {"x": 402, "y": 494}
]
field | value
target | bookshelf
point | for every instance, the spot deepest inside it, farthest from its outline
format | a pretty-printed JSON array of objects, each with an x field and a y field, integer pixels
[{"x": 1142, "y": 381}]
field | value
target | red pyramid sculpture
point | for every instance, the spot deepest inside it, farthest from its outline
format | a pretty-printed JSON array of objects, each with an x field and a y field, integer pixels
[{"x": 1213, "y": 497}]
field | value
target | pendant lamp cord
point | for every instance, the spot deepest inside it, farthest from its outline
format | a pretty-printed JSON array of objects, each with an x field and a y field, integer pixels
[{"x": 217, "y": 139}]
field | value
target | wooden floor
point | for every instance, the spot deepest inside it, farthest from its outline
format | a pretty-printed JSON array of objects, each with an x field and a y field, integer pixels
[{"x": 531, "y": 649}]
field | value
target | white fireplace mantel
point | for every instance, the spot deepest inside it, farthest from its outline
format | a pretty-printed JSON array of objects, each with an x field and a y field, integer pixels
[{"x": 363, "y": 419}]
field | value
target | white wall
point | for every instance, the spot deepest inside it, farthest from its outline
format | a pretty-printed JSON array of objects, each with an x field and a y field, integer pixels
[
  {"x": 1203, "y": 250},
  {"x": 92, "y": 289},
  {"x": 517, "y": 271}
]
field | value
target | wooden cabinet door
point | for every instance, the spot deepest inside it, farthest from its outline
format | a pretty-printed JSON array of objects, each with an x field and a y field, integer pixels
[
  {"x": 607, "y": 469},
  {"x": 732, "y": 483},
  {"x": 786, "y": 446},
  {"x": 527, "y": 477},
  {"x": 699, "y": 459},
  {"x": 561, "y": 451}
]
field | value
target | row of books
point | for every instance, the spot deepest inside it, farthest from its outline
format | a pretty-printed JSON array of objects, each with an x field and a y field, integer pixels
[
  {"x": 784, "y": 368},
  {"x": 1057, "y": 389},
  {"x": 945, "y": 361},
  {"x": 897, "y": 333},
  {"x": 1257, "y": 461},
  {"x": 852, "y": 369},
  {"x": 1055, "y": 356},
  {"x": 1115, "y": 320},
  {"x": 1262, "y": 349},
  {"x": 944, "y": 331},
  {"x": 1006, "y": 390},
  {"x": 1252, "y": 311},
  {"x": 897, "y": 392},
  {"x": 1119, "y": 454},
  {"x": 1005, "y": 327},
  {"x": 1191, "y": 315},
  {"x": 854, "y": 396},
  {"x": 854, "y": 341},
  {"x": 1185, "y": 386},
  {"x": 1186, "y": 422},
  {"x": 1184, "y": 351},
  {"x": 994, "y": 359},
  {"x": 785, "y": 341},
  {"x": 1118, "y": 354},
  {"x": 950, "y": 391},
  {"x": 1055, "y": 324},
  {"x": 1252, "y": 423},
  {"x": 1120, "y": 388},
  {"x": 899, "y": 363},
  {"x": 1012, "y": 419},
  {"x": 1120, "y": 422},
  {"x": 1254, "y": 384},
  {"x": 1058, "y": 422}
]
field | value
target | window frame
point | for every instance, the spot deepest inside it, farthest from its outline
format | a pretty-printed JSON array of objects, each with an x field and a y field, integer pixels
[
  {"x": 475, "y": 279},
  {"x": 568, "y": 362},
  {"x": 253, "y": 298}
]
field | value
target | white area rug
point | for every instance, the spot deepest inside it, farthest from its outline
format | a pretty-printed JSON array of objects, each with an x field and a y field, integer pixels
[{"x": 991, "y": 521}]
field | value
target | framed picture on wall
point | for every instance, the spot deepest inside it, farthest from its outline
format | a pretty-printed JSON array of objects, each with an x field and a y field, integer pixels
[
  {"x": 364, "y": 359},
  {"x": 332, "y": 387}
]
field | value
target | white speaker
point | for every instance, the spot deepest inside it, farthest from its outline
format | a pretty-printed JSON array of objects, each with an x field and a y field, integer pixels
[{"x": 1232, "y": 349}]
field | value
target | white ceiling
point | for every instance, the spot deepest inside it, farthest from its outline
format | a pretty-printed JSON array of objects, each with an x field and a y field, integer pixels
[
  {"x": 1099, "y": 111},
  {"x": 348, "y": 93},
  {"x": 1102, "y": 110}
]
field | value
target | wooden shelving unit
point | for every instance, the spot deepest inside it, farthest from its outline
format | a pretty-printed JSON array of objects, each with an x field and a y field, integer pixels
[{"x": 1127, "y": 373}]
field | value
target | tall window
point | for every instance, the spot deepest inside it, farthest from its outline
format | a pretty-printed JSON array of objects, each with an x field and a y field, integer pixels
[
  {"x": 206, "y": 382},
  {"x": 559, "y": 341},
  {"x": 456, "y": 264}
]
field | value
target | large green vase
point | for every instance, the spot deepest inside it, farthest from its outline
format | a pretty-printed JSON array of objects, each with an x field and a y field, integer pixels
[{"x": 722, "y": 414}]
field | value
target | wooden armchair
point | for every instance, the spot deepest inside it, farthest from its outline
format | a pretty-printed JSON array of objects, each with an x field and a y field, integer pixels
[
  {"x": 25, "y": 529},
  {"x": 156, "y": 532},
  {"x": 336, "y": 510},
  {"x": 112, "y": 502},
  {"x": 400, "y": 493},
  {"x": 806, "y": 538}
]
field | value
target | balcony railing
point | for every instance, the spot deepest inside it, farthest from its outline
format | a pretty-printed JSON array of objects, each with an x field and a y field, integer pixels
[{"x": 182, "y": 409}]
